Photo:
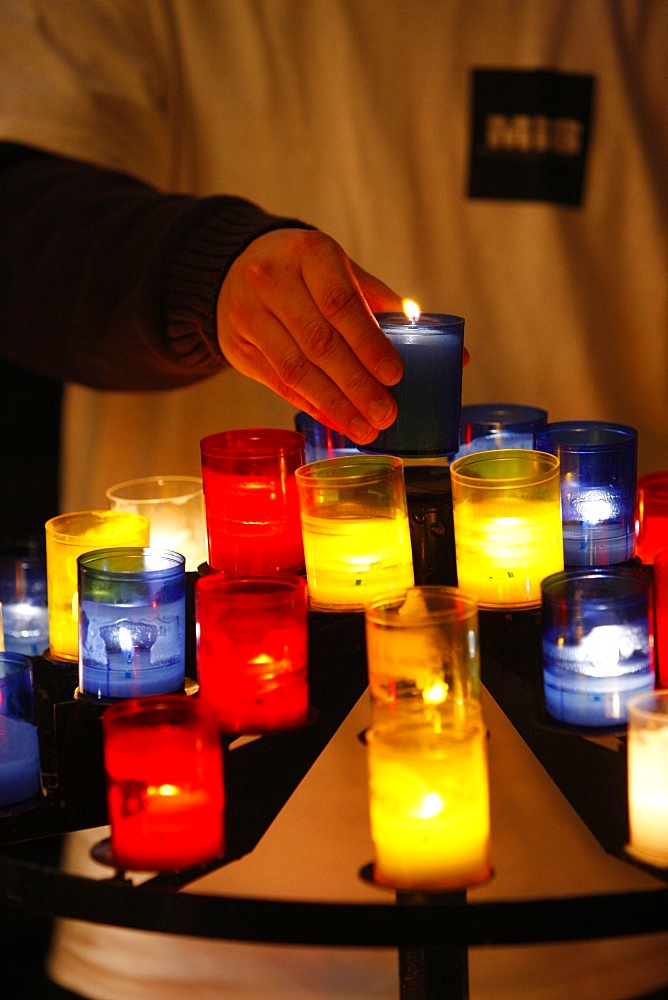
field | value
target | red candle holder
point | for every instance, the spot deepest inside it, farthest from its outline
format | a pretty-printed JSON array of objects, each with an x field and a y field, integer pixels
[
  {"x": 250, "y": 499},
  {"x": 252, "y": 650},
  {"x": 661, "y": 615},
  {"x": 165, "y": 796}
]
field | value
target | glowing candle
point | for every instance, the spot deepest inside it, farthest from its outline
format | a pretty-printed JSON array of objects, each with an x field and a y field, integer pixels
[
  {"x": 67, "y": 537},
  {"x": 25, "y": 617},
  {"x": 660, "y": 579},
  {"x": 250, "y": 498},
  {"x": 165, "y": 796},
  {"x": 651, "y": 516},
  {"x": 596, "y": 644},
  {"x": 19, "y": 745},
  {"x": 647, "y": 750},
  {"x": 431, "y": 347},
  {"x": 429, "y": 807},
  {"x": 423, "y": 658},
  {"x": 598, "y": 488},
  {"x": 175, "y": 507},
  {"x": 355, "y": 527},
  {"x": 132, "y": 622},
  {"x": 507, "y": 520},
  {"x": 252, "y": 650}
]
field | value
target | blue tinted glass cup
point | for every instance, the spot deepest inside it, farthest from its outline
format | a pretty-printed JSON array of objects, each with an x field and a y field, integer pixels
[
  {"x": 23, "y": 595},
  {"x": 321, "y": 441},
  {"x": 429, "y": 395},
  {"x": 132, "y": 622},
  {"x": 485, "y": 426},
  {"x": 19, "y": 744},
  {"x": 598, "y": 475},
  {"x": 596, "y": 643}
]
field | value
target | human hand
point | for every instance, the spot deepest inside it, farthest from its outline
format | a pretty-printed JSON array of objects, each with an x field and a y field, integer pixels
[{"x": 295, "y": 313}]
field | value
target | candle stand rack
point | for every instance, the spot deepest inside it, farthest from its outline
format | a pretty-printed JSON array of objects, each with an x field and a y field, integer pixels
[{"x": 431, "y": 932}]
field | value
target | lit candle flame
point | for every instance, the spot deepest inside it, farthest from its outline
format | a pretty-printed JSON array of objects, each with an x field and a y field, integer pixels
[{"x": 411, "y": 311}]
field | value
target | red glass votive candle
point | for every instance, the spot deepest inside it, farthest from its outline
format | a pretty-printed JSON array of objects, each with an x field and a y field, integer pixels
[
  {"x": 164, "y": 769},
  {"x": 250, "y": 500},
  {"x": 651, "y": 516},
  {"x": 660, "y": 590},
  {"x": 252, "y": 650}
]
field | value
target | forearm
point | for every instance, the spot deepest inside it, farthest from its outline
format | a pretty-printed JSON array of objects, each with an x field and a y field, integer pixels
[{"x": 109, "y": 283}]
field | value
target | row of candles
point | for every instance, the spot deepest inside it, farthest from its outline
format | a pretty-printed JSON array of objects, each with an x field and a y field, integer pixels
[{"x": 521, "y": 514}]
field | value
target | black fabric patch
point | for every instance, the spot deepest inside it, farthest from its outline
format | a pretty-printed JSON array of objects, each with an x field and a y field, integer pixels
[{"x": 529, "y": 135}]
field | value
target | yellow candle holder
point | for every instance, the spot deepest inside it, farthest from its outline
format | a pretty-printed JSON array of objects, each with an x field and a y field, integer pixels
[
  {"x": 355, "y": 528},
  {"x": 423, "y": 656},
  {"x": 67, "y": 537},
  {"x": 647, "y": 753},
  {"x": 507, "y": 521},
  {"x": 429, "y": 807}
]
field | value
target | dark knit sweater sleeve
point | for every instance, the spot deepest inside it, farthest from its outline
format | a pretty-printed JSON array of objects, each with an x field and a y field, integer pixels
[{"x": 106, "y": 281}]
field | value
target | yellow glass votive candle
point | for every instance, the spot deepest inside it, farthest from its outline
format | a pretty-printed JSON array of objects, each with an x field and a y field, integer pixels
[
  {"x": 507, "y": 521},
  {"x": 647, "y": 750},
  {"x": 355, "y": 528},
  {"x": 423, "y": 657},
  {"x": 429, "y": 807},
  {"x": 69, "y": 536}
]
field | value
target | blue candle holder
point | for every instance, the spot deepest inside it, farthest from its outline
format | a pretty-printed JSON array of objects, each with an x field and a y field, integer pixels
[
  {"x": 132, "y": 622},
  {"x": 430, "y": 393},
  {"x": 486, "y": 426},
  {"x": 596, "y": 644},
  {"x": 19, "y": 743},
  {"x": 23, "y": 595},
  {"x": 321, "y": 441},
  {"x": 598, "y": 488}
]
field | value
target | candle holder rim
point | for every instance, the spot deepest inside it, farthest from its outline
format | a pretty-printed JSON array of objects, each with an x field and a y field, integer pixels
[
  {"x": 174, "y": 562},
  {"x": 143, "y": 706},
  {"x": 95, "y": 517},
  {"x": 385, "y": 607},
  {"x": 251, "y": 443},
  {"x": 555, "y": 585},
  {"x": 306, "y": 474},
  {"x": 500, "y": 455},
  {"x": 658, "y": 697},
  {"x": 281, "y": 579},
  {"x": 427, "y": 321},
  {"x": 571, "y": 435},
  {"x": 12, "y": 663},
  {"x": 114, "y": 492}
]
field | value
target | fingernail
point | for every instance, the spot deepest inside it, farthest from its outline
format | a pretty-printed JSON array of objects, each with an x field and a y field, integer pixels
[
  {"x": 359, "y": 429},
  {"x": 388, "y": 371},
  {"x": 379, "y": 412}
]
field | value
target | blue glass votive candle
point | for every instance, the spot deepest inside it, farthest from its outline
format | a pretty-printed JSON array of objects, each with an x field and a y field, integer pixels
[
  {"x": 19, "y": 743},
  {"x": 429, "y": 394},
  {"x": 485, "y": 426},
  {"x": 132, "y": 622},
  {"x": 598, "y": 487},
  {"x": 596, "y": 643},
  {"x": 25, "y": 614},
  {"x": 321, "y": 441}
]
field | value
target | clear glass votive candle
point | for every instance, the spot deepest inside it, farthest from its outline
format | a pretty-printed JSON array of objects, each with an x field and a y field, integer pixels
[
  {"x": 164, "y": 771},
  {"x": 19, "y": 743},
  {"x": 507, "y": 519},
  {"x": 660, "y": 595},
  {"x": 132, "y": 622},
  {"x": 357, "y": 541},
  {"x": 321, "y": 441},
  {"x": 647, "y": 753},
  {"x": 252, "y": 650},
  {"x": 175, "y": 507},
  {"x": 596, "y": 644},
  {"x": 250, "y": 499},
  {"x": 67, "y": 537},
  {"x": 429, "y": 394},
  {"x": 429, "y": 806},
  {"x": 485, "y": 426},
  {"x": 651, "y": 518},
  {"x": 423, "y": 657},
  {"x": 598, "y": 488},
  {"x": 25, "y": 615}
]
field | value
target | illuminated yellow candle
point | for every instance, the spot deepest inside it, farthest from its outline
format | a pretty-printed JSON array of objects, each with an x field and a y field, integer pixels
[
  {"x": 67, "y": 537},
  {"x": 507, "y": 522},
  {"x": 355, "y": 529},
  {"x": 350, "y": 561},
  {"x": 429, "y": 807},
  {"x": 647, "y": 749}
]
